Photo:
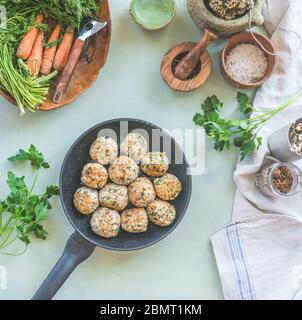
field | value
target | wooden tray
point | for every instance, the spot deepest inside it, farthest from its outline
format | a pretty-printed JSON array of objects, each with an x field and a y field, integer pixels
[{"x": 85, "y": 73}]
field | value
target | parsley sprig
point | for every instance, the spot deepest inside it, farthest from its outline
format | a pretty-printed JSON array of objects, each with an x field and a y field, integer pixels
[
  {"x": 23, "y": 211},
  {"x": 241, "y": 133}
]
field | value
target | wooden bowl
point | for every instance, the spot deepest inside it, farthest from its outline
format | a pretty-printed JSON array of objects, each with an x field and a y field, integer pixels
[
  {"x": 246, "y": 37},
  {"x": 86, "y": 73},
  {"x": 188, "y": 85}
]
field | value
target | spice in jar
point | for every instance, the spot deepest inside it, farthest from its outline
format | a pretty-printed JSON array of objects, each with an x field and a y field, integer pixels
[
  {"x": 279, "y": 179},
  {"x": 230, "y": 9},
  {"x": 295, "y": 137},
  {"x": 283, "y": 180},
  {"x": 246, "y": 63}
]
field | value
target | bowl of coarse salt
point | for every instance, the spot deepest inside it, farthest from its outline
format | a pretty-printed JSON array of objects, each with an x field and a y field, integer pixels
[{"x": 244, "y": 63}]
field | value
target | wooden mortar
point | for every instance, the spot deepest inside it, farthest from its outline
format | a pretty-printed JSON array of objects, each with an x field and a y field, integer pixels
[
  {"x": 189, "y": 62},
  {"x": 179, "y": 79},
  {"x": 204, "y": 18}
]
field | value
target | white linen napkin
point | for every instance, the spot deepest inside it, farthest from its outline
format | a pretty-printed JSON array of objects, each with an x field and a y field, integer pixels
[{"x": 259, "y": 256}]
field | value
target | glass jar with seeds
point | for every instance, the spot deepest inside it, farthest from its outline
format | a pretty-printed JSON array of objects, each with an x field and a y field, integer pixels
[
  {"x": 279, "y": 179},
  {"x": 286, "y": 143}
]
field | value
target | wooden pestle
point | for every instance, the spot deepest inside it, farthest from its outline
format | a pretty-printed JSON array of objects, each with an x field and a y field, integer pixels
[{"x": 188, "y": 63}]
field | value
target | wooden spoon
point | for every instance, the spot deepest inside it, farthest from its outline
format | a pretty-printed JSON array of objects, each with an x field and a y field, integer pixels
[{"x": 189, "y": 62}]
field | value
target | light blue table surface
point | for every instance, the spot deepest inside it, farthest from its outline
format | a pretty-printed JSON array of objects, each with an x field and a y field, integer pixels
[{"x": 183, "y": 265}]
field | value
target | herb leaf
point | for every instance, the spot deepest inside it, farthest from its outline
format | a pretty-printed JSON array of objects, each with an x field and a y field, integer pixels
[
  {"x": 245, "y": 103},
  {"x": 35, "y": 157},
  {"x": 16, "y": 184},
  {"x": 41, "y": 211},
  {"x": 22, "y": 212},
  {"x": 52, "y": 191},
  {"x": 243, "y": 133}
]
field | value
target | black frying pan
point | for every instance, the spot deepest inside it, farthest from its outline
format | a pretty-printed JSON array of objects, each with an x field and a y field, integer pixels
[{"x": 83, "y": 241}]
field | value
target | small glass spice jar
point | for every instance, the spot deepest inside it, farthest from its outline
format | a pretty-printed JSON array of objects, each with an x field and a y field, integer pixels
[
  {"x": 279, "y": 179},
  {"x": 285, "y": 144}
]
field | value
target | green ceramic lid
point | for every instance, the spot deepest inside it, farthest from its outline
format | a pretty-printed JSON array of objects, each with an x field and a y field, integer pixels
[{"x": 153, "y": 14}]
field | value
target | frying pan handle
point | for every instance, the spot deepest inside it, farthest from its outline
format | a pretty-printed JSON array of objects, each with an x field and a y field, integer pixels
[{"x": 76, "y": 251}]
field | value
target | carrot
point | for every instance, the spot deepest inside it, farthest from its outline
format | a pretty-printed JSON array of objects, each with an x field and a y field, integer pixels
[
  {"x": 49, "y": 53},
  {"x": 28, "y": 41},
  {"x": 63, "y": 51},
  {"x": 35, "y": 58}
]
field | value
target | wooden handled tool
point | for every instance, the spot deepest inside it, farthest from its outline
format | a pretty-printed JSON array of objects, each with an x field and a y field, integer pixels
[
  {"x": 89, "y": 28},
  {"x": 188, "y": 63}
]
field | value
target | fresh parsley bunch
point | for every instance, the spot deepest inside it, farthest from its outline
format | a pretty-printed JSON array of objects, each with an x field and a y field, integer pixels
[
  {"x": 241, "y": 133},
  {"x": 23, "y": 211}
]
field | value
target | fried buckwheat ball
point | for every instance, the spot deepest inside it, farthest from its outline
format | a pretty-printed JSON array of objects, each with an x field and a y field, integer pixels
[
  {"x": 114, "y": 197},
  {"x": 94, "y": 175},
  {"x": 141, "y": 192},
  {"x": 123, "y": 171},
  {"x": 161, "y": 213},
  {"x": 167, "y": 187},
  {"x": 135, "y": 146},
  {"x": 86, "y": 200},
  {"x": 135, "y": 220},
  {"x": 104, "y": 150},
  {"x": 155, "y": 164},
  {"x": 105, "y": 222}
]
